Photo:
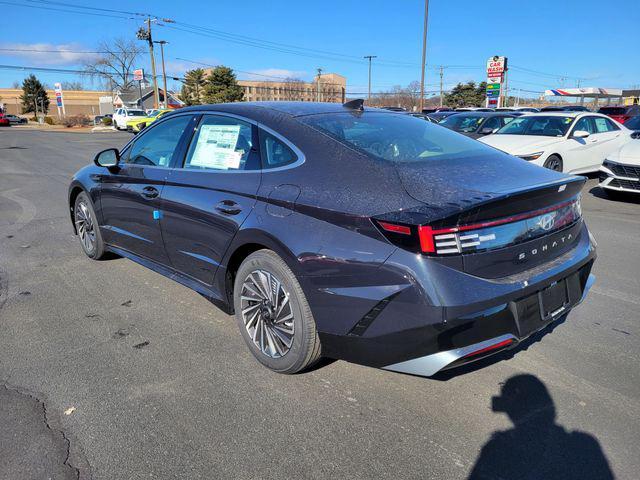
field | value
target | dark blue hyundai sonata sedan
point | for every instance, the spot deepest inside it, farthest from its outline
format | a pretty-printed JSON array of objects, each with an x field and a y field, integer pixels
[{"x": 342, "y": 231}]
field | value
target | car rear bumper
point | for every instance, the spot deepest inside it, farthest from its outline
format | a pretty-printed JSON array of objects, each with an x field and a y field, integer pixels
[{"x": 458, "y": 318}]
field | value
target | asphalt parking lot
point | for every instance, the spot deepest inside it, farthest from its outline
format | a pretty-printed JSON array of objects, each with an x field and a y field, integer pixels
[{"x": 108, "y": 370}]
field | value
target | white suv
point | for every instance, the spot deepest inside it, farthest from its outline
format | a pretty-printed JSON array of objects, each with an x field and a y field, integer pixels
[{"x": 122, "y": 115}]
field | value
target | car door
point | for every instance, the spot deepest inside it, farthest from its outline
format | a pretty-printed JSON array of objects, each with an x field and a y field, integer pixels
[
  {"x": 130, "y": 193},
  {"x": 208, "y": 196},
  {"x": 581, "y": 153},
  {"x": 612, "y": 136}
]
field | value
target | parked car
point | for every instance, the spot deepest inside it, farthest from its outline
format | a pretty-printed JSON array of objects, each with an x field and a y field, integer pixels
[
  {"x": 342, "y": 231},
  {"x": 564, "y": 108},
  {"x": 423, "y": 116},
  {"x": 122, "y": 115},
  {"x": 4, "y": 122},
  {"x": 620, "y": 172},
  {"x": 14, "y": 119},
  {"x": 442, "y": 114},
  {"x": 621, "y": 114},
  {"x": 137, "y": 124},
  {"x": 437, "y": 109},
  {"x": 474, "y": 109},
  {"x": 573, "y": 142},
  {"x": 477, "y": 124},
  {"x": 633, "y": 123},
  {"x": 527, "y": 109}
]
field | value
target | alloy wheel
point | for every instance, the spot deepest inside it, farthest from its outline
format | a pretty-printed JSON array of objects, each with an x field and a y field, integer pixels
[
  {"x": 85, "y": 227},
  {"x": 554, "y": 164},
  {"x": 267, "y": 313}
]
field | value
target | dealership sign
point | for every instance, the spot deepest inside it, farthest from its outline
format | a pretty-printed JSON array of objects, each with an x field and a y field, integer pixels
[{"x": 59, "y": 100}]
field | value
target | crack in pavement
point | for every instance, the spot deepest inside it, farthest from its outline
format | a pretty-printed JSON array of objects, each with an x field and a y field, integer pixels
[{"x": 30, "y": 446}]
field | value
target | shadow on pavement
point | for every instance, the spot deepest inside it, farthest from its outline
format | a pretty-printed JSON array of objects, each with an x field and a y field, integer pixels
[
  {"x": 537, "y": 447},
  {"x": 621, "y": 197}
]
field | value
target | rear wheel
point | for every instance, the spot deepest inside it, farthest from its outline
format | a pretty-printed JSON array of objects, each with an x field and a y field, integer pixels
[
  {"x": 273, "y": 315},
  {"x": 554, "y": 162},
  {"x": 87, "y": 227}
]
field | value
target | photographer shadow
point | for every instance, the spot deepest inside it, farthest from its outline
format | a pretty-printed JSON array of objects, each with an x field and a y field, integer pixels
[{"x": 537, "y": 447}]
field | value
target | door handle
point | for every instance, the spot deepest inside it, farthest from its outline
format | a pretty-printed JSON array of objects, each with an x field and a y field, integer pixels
[
  {"x": 228, "y": 207},
  {"x": 150, "y": 192}
]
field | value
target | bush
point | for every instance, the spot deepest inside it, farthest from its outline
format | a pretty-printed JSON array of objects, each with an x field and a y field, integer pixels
[
  {"x": 49, "y": 121},
  {"x": 107, "y": 122},
  {"x": 76, "y": 121}
]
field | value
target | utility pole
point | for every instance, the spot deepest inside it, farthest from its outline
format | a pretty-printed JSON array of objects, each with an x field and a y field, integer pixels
[
  {"x": 424, "y": 52},
  {"x": 370, "y": 57},
  {"x": 162, "y": 43},
  {"x": 318, "y": 85},
  {"x": 441, "y": 76},
  {"x": 143, "y": 34}
]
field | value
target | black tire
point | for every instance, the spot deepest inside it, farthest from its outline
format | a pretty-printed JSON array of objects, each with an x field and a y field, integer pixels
[
  {"x": 87, "y": 227},
  {"x": 554, "y": 162},
  {"x": 304, "y": 349}
]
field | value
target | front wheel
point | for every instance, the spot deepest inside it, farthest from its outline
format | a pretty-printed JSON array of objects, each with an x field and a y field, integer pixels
[
  {"x": 273, "y": 315},
  {"x": 87, "y": 227},
  {"x": 554, "y": 162}
]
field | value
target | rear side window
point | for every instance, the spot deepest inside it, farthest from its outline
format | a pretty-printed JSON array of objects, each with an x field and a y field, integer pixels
[
  {"x": 155, "y": 147},
  {"x": 222, "y": 143},
  {"x": 613, "y": 110},
  {"x": 604, "y": 125},
  {"x": 275, "y": 153}
]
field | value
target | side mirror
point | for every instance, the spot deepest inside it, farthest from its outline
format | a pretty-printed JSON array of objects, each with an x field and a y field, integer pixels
[
  {"x": 107, "y": 158},
  {"x": 487, "y": 130},
  {"x": 581, "y": 134}
]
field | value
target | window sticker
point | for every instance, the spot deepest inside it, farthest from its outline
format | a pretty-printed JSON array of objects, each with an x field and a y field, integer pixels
[{"x": 216, "y": 147}]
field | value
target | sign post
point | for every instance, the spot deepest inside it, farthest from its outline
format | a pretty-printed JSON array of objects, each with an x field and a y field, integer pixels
[
  {"x": 138, "y": 75},
  {"x": 59, "y": 100},
  {"x": 496, "y": 70}
]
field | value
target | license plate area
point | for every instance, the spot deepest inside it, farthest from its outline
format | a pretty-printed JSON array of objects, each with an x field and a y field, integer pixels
[{"x": 554, "y": 300}]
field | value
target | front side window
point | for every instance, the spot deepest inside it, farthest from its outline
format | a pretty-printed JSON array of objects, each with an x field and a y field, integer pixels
[
  {"x": 156, "y": 146},
  {"x": 135, "y": 113},
  {"x": 542, "y": 125},
  {"x": 222, "y": 143},
  {"x": 585, "y": 124},
  {"x": 396, "y": 137}
]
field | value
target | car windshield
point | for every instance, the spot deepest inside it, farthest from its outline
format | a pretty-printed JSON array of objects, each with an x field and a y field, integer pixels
[
  {"x": 463, "y": 123},
  {"x": 395, "y": 137},
  {"x": 633, "y": 123},
  {"x": 546, "y": 126},
  {"x": 135, "y": 113}
]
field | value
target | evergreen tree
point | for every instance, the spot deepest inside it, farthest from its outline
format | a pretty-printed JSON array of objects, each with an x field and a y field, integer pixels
[
  {"x": 34, "y": 93},
  {"x": 221, "y": 86},
  {"x": 193, "y": 88},
  {"x": 466, "y": 95}
]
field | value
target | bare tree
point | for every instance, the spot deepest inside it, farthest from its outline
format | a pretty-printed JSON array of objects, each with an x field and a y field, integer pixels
[
  {"x": 114, "y": 68},
  {"x": 72, "y": 85},
  {"x": 294, "y": 89}
]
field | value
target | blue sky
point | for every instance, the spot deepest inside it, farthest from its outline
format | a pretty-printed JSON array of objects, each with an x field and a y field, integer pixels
[{"x": 550, "y": 44}]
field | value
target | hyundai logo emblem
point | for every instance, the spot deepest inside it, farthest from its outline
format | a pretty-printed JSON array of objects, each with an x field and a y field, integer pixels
[{"x": 547, "y": 221}]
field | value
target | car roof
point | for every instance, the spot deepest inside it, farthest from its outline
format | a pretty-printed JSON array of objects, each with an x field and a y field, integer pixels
[
  {"x": 556, "y": 114},
  {"x": 294, "y": 109}
]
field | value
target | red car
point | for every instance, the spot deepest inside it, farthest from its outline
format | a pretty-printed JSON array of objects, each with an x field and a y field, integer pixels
[
  {"x": 621, "y": 113},
  {"x": 4, "y": 122}
]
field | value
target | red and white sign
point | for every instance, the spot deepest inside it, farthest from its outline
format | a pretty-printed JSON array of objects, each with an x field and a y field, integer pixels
[
  {"x": 58, "y": 90},
  {"x": 496, "y": 66},
  {"x": 138, "y": 75}
]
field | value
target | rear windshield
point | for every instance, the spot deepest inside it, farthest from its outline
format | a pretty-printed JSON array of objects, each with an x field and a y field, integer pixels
[
  {"x": 463, "y": 123},
  {"x": 613, "y": 110},
  {"x": 546, "y": 126},
  {"x": 395, "y": 137}
]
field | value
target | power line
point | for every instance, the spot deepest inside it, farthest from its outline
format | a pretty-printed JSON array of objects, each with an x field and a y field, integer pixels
[{"x": 12, "y": 4}]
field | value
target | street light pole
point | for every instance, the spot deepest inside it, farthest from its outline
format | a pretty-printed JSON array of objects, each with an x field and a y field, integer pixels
[
  {"x": 441, "y": 76},
  {"x": 318, "y": 85},
  {"x": 162, "y": 43},
  {"x": 370, "y": 57},
  {"x": 424, "y": 52}
]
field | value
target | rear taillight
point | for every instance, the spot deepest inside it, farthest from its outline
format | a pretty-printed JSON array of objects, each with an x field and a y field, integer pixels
[{"x": 487, "y": 235}]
